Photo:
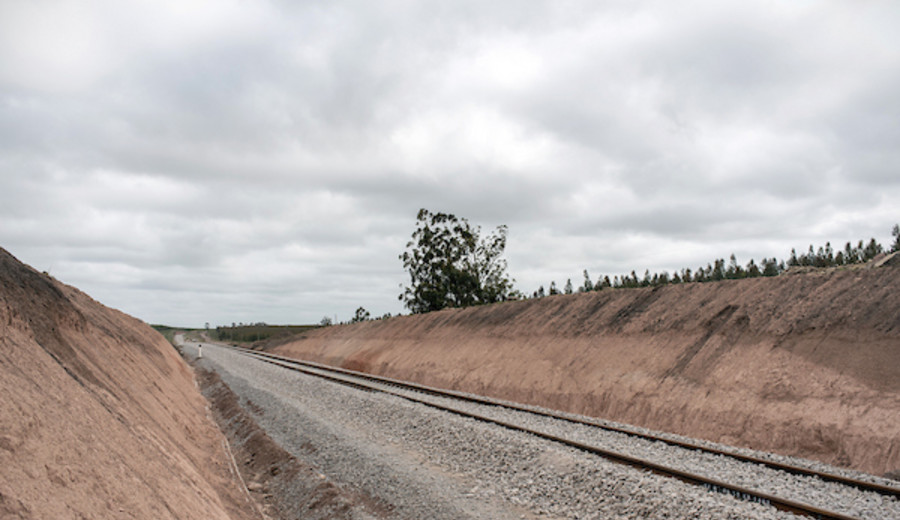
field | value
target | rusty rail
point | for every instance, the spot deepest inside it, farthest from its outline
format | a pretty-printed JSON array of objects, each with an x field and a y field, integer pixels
[{"x": 341, "y": 375}]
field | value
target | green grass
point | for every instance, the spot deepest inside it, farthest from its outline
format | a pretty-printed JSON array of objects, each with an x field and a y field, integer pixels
[
  {"x": 236, "y": 334},
  {"x": 252, "y": 333},
  {"x": 169, "y": 332}
]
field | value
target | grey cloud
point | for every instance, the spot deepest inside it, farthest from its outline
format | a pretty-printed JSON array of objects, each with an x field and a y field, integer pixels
[{"x": 266, "y": 161}]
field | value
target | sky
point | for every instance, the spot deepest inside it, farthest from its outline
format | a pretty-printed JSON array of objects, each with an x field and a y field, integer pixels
[{"x": 221, "y": 161}]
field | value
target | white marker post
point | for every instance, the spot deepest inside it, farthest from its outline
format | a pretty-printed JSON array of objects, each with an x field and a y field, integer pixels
[{"x": 199, "y": 351}]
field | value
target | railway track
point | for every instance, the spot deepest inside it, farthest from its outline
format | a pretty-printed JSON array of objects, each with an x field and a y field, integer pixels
[{"x": 445, "y": 401}]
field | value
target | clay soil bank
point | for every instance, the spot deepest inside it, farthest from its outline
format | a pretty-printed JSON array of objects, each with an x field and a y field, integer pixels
[
  {"x": 99, "y": 415},
  {"x": 801, "y": 364}
]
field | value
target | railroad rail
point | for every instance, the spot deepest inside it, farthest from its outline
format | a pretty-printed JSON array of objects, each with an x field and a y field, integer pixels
[{"x": 371, "y": 382}]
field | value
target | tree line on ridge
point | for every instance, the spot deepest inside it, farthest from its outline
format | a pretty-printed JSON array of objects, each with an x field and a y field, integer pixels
[{"x": 451, "y": 265}]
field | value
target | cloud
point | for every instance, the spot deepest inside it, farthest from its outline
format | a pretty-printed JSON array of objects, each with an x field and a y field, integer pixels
[{"x": 252, "y": 161}]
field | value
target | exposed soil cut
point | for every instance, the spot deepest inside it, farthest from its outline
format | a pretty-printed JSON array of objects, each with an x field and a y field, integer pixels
[
  {"x": 99, "y": 416},
  {"x": 801, "y": 364}
]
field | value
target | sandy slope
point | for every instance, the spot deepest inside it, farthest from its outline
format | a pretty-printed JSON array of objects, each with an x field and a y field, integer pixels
[
  {"x": 99, "y": 416},
  {"x": 805, "y": 364}
]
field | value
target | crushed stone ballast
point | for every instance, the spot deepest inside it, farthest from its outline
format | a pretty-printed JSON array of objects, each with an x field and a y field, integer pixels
[{"x": 415, "y": 392}]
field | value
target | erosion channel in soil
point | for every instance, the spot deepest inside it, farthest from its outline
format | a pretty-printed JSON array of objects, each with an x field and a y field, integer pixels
[{"x": 804, "y": 364}]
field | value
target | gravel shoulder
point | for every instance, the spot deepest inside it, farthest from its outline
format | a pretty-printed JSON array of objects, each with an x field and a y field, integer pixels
[
  {"x": 417, "y": 462},
  {"x": 280, "y": 485}
]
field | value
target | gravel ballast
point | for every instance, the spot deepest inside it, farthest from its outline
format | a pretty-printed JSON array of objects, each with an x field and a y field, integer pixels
[
  {"x": 424, "y": 463},
  {"x": 800, "y": 488}
]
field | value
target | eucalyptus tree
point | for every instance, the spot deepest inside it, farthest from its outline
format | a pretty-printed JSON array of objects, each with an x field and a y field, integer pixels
[{"x": 451, "y": 265}]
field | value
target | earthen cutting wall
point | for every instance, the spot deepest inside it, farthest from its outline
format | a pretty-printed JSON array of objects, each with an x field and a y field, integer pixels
[
  {"x": 805, "y": 364},
  {"x": 99, "y": 416}
]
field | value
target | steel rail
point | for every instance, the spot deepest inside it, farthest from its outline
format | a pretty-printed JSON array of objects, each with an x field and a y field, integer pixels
[
  {"x": 780, "y": 466},
  {"x": 341, "y": 376}
]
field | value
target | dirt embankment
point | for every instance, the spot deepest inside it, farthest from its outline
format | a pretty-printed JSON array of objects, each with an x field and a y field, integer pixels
[
  {"x": 805, "y": 364},
  {"x": 99, "y": 416}
]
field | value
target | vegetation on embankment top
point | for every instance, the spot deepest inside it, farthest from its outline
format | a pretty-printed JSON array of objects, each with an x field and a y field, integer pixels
[
  {"x": 169, "y": 332},
  {"x": 719, "y": 269},
  {"x": 252, "y": 333},
  {"x": 450, "y": 265},
  {"x": 236, "y": 333}
]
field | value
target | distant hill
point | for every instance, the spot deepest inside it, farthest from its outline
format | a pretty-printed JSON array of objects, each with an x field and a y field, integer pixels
[{"x": 803, "y": 364}]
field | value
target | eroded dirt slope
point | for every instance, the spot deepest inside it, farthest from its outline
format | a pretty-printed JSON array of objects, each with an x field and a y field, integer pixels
[
  {"x": 805, "y": 364},
  {"x": 99, "y": 416}
]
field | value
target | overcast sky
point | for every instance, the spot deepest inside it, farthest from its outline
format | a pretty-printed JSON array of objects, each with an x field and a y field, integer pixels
[{"x": 239, "y": 161}]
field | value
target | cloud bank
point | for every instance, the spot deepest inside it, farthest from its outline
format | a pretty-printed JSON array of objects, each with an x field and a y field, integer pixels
[{"x": 220, "y": 161}]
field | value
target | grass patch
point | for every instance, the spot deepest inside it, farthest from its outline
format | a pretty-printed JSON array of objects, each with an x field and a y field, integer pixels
[{"x": 257, "y": 332}]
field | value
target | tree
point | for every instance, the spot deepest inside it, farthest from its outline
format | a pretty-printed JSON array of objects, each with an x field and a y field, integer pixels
[
  {"x": 871, "y": 250},
  {"x": 734, "y": 270},
  {"x": 634, "y": 282},
  {"x": 896, "y": 234},
  {"x": 703, "y": 274},
  {"x": 588, "y": 285},
  {"x": 839, "y": 258},
  {"x": 568, "y": 288},
  {"x": 849, "y": 254},
  {"x": 718, "y": 272},
  {"x": 450, "y": 265},
  {"x": 488, "y": 266},
  {"x": 770, "y": 267},
  {"x": 326, "y": 322},
  {"x": 752, "y": 269},
  {"x": 361, "y": 315}
]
